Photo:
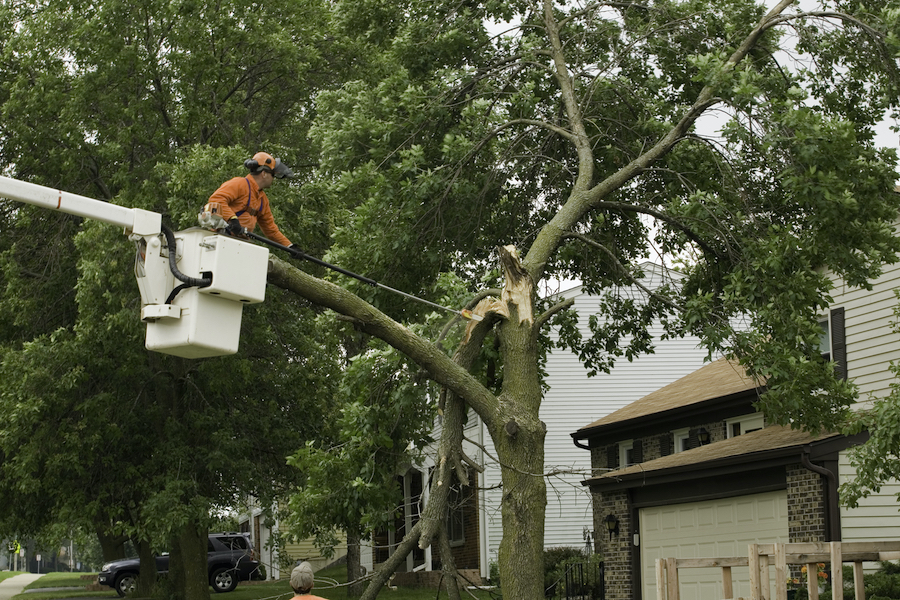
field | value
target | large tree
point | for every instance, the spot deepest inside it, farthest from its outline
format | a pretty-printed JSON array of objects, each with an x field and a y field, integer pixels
[
  {"x": 575, "y": 148},
  {"x": 147, "y": 104}
]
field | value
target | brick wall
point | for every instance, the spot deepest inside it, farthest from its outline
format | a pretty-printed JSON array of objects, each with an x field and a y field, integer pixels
[
  {"x": 467, "y": 556},
  {"x": 806, "y": 505},
  {"x": 615, "y": 549}
]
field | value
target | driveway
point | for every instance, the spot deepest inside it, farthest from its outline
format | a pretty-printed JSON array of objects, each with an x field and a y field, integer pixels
[{"x": 14, "y": 585}]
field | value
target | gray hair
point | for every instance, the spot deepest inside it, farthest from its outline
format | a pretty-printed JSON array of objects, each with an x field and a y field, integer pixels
[{"x": 302, "y": 578}]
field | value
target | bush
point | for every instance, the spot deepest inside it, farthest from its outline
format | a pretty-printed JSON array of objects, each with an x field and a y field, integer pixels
[
  {"x": 557, "y": 561},
  {"x": 881, "y": 585}
]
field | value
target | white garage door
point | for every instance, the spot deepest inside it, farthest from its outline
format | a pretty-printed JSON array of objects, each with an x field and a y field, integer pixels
[{"x": 715, "y": 528}]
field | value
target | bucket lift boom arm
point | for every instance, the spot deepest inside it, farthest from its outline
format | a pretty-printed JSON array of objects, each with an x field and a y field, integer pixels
[
  {"x": 187, "y": 320},
  {"x": 134, "y": 221}
]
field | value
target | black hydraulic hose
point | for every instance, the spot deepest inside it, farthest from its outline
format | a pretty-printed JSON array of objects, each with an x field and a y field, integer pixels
[
  {"x": 175, "y": 292},
  {"x": 188, "y": 281}
]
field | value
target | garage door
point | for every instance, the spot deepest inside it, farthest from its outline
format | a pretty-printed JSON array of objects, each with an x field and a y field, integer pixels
[{"x": 715, "y": 528}]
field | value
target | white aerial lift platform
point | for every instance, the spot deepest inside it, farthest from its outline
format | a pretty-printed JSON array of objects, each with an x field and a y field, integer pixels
[{"x": 193, "y": 283}]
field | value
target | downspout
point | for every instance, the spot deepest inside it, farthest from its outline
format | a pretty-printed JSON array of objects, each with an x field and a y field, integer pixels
[
  {"x": 580, "y": 445},
  {"x": 832, "y": 510}
]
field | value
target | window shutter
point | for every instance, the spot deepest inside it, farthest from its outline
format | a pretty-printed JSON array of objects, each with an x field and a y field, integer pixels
[
  {"x": 665, "y": 444},
  {"x": 637, "y": 451},
  {"x": 838, "y": 342},
  {"x": 612, "y": 457},
  {"x": 693, "y": 439}
]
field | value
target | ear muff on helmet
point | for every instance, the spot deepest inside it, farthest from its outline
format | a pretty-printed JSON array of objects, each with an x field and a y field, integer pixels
[{"x": 265, "y": 161}]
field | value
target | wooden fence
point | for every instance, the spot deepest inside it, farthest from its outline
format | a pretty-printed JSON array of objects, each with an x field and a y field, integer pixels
[{"x": 761, "y": 556}]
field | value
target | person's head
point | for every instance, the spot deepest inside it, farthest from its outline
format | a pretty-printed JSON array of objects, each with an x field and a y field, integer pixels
[
  {"x": 266, "y": 168},
  {"x": 302, "y": 578}
]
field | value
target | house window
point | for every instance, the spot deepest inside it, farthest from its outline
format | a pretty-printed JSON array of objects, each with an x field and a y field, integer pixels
[
  {"x": 832, "y": 340},
  {"x": 682, "y": 437},
  {"x": 744, "y": 424},
  {"x": 456, "y": 516},
  {"x": 825, "y": 339},
  {"x": 626, "y": 454}
]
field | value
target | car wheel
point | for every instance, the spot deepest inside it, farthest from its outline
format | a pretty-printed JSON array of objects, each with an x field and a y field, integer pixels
[
  {"x": 223, "y": 579},
  {"x": 125, "y": 583}
]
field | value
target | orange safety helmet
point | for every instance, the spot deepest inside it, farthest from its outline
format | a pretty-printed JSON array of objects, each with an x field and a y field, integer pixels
[{"x": 264, "y": 160}]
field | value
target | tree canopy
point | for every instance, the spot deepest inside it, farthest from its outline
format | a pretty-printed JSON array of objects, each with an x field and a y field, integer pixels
[{"x": 580, "y": 145}]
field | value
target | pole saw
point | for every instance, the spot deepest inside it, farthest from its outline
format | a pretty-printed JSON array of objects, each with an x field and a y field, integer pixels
[
  {"x": 211, "y": 219},
  {"x": 467, "y": 314}
]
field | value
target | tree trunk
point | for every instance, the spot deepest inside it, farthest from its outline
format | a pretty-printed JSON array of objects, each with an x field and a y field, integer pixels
[
  {"x": 112, "y": 546},
  {"x": 146, "y": 583},
  {"x": 522, "y": 508},
  {"x": 354, "y": 567},
  {"x": 188, "y": 566},
  {"x": 512, "y": 418},
  {"x": 518, "y": 435}
]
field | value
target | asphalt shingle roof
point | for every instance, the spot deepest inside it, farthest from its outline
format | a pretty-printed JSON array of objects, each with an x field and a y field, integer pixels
[
  {"x": 715, "y": 380},
  {"x": 748, "y": 447}
]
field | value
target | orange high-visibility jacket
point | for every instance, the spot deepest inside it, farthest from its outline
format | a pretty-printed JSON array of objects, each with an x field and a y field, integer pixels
[{"x": 241, "y": 197}]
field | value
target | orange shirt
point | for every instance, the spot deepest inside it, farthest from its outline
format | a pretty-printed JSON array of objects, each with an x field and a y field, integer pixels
[{"x": 242, "y": 197}]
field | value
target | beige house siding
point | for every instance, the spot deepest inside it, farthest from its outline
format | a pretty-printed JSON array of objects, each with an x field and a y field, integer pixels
[
  {"x": 871, "y": 341},
  {"x": 872, "y": 344},
  {"x": 306, "y": 550}
]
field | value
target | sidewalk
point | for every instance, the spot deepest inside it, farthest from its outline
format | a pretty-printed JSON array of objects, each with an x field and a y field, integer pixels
[{"x": 14, "y": 585}]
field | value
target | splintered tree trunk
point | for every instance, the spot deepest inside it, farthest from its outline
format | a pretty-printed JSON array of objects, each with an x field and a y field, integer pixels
[{"x": 518, "y": 435}]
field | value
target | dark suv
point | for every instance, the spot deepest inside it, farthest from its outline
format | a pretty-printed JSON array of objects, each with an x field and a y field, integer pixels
[{"x": 229, "y": 558}]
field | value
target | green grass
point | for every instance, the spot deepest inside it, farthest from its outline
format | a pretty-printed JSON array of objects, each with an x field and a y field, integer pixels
[
  {"x": 8, "y": 574},
  {"x": 63, "y": 580},
  {"x": 329, "y": 584}
]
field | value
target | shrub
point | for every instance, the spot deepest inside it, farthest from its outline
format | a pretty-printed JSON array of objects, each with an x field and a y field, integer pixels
[
  {"x": 557, "y": 561},
  {"x": 881, "y": 585}
]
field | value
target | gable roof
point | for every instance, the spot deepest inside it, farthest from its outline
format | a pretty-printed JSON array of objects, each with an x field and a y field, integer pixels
[
  {"x": 718, "y": 380},
  {"x": 774, "y": 443}
]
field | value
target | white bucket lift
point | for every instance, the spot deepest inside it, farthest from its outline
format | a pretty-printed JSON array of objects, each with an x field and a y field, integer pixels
[
  {"x": 194, "y": 322},
  {"x": 199, "y": 321}
]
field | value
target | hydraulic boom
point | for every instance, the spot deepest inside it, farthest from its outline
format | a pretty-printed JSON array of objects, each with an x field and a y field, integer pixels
[{"x": 193, "y": 283}]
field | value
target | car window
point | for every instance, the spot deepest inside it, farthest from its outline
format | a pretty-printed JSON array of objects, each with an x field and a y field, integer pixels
[{"x": 233, "y": 542}]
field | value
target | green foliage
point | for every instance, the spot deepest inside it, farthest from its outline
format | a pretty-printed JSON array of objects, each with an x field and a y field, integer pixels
[
  {"x": 349, "y": 478},
  {"x": 884, "y": 583},
  {"x": 149, "y": 105},
  {"x": 423, "y": 144},
  {"x": 583, "y": 573}
]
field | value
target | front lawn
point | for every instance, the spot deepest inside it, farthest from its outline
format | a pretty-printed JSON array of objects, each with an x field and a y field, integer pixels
[{"x": 329, "y": 584}]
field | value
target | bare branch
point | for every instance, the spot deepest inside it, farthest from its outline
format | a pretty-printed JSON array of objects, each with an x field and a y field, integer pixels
[{"x": 625, "y": 272}]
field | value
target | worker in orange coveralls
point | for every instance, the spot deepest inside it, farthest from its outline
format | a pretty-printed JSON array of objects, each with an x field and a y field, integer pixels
[{"x": 242, "y": 201}]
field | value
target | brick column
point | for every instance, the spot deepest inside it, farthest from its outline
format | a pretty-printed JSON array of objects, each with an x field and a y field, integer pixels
[{"x": 617, "y": 550}]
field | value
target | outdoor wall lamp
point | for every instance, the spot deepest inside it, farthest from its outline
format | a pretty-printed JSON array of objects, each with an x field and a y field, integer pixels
[
  {"x": 612, "y": 524},
  {"x": 703, "y": 436}
]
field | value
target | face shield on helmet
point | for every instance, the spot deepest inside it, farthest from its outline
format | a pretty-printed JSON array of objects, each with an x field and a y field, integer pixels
[
  {"x": 281, "y": 170},
  {"x": 266, "y": 162}
]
